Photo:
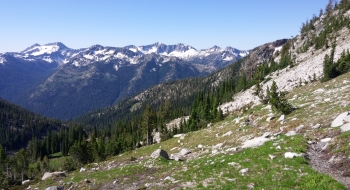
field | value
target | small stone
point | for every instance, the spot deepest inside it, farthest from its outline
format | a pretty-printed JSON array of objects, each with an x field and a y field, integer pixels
[
  {"x": 232, "y": 163},
  {"x": 160, "y": 153},
  {"x": 299, "y": 128},
  {"x": 281, "y": 118},
  {"x": 316, "y": 126},
  {"x": 270, "y": 118},
  {"x": 311, "y": 142},
  {"x": 339, "y": 121},
  {"x": 243, "y": 171},
  {"x": 267, "y": 134},
  {"x": 217, "y": 146},
  {"x": 326, "y": 140},
  {"x": 345, "y": 127},
  {"x": 291, "y": 133},
  {"x": 184, "y": 152},
  {"x": 292, "y": 155},
  {"x": 227, "y": 134},
  {"x": 289, "y": 155},
  {"x": 272, "y": 156}
]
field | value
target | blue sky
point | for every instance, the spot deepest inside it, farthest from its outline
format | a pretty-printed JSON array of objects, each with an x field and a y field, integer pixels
[{"x": 243, "y": 24}]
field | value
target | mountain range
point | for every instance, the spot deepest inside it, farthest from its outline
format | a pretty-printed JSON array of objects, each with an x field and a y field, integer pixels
[{"x": 61, "y": 82}]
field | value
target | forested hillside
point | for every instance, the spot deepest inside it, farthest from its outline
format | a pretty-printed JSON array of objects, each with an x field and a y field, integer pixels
[{"x": 18, "y": 126}]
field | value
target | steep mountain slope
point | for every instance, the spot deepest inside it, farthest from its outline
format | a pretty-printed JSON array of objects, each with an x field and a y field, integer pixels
[
  {"x": 235, "y": 154},
  {"x": 66, "y": 94},
  {"x": 18, "y": 76},
  {"x": 182, "y": 92},
  {"x": 18, "y": 126},
  {"x": 100, "y": 76}
]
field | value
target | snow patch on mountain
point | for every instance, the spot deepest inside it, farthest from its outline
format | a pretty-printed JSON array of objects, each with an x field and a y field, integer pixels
[
  {"x": 120, "y": 56},
  {"x": 115, "y": 67},
  {"x": 89, "y": 57},
  {"x": 47, "y": 59},
  {"x": 45, "y": 49},
  {"x": 2, "y": 60}
]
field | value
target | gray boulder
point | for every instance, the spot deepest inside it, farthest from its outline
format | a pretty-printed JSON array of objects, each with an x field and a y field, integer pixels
[
  {"x": 341, "y": 119},
  {"x": 176, "y": 157},
  {"x": 160, "y": 153},
  {"x": 184, "y": 152},
  {"x": 53, "y": 174}
]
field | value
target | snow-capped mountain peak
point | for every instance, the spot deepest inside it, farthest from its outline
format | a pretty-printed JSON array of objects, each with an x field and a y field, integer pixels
[
  {"x": 215, "y": 48},
  {"x": 37, "y": 50}
]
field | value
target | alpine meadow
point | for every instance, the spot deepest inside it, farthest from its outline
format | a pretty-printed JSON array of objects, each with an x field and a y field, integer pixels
[{"x": 174, "y": 116}]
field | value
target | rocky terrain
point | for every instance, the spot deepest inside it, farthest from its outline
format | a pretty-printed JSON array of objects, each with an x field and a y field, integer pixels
[{"x": 254, "y": 147}]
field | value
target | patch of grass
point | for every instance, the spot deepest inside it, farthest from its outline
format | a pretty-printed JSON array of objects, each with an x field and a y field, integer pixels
[{"x": 264, "y": 173}]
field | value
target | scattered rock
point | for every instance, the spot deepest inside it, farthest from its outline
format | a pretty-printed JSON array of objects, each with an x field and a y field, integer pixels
[
  {"x": 326, "y": 140},
  {"x": 339, "y": 121},
  {"x": 178, "y": 135},
  {"x": 345, "y": 127},
  {"x": 55, "y": 188},
  {"x": 267, "y": 134},
  {"x": 201, "y": 147},
  {"x": 281, "y": 118},
  {"x": 215, "y": 151},
  {"x": 176, "y": 157},
  {"x": 291, "y": 133},
  {"x": 82, "y": 170},
  {"x": 95, "y": 169},
  {"x": 311, "y": 142},
  {"x": 272, "y": 156},
  {"x": 316, "y": 126},
  {"x": 87, "y": 181},
  {"x": 25, "y": 181},
  {"x": 115, "y": 181},
  {"x": 227, "y": 134},
  {"x": 324, "y": 147},
  {"x": 292, "y": 155},
  {"x": 184, "y": 152},
  {"x": 234, "y": 149},
  {"x": 270, "y": 118},
  {"x": 160, "y": 152},
  {"x": 299, "y": 128},
  {"x": 257, "y": 141},
  {"x": 243, "y": 171},
  {"x": 278, "y": 147},
  {"x": 182, "y": 137},
  {"x": 53, "y": 174},
  {"x": 266, "y": 107},
  {"x": 218, "y": 146},
  {"x": 250, "y": 186},
  {"x": 320, "y": 90},
  {"x": 168, "y": 178}
]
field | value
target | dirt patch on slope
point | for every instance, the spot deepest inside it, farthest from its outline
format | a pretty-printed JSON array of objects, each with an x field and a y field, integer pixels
[{"x": 323, "y": 162}]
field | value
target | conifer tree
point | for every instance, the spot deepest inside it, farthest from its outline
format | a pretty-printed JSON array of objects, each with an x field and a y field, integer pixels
[
  {"x": 278, "y": 100},
  {"x": 147, "y": 124}
]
